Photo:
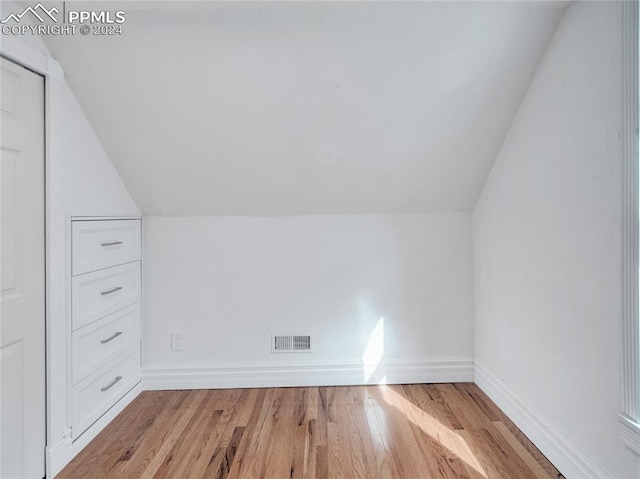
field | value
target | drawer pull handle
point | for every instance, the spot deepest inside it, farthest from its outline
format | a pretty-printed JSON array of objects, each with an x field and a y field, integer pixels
[
  {"x": 112, "y": 290},
  {"x": 105, "y": 341},
  {"x": 111, "y": 243},
  {"x": 111, "y": 384}
]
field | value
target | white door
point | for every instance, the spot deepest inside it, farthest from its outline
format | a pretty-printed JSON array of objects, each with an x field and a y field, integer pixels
[{"x": 22, "y": 294}]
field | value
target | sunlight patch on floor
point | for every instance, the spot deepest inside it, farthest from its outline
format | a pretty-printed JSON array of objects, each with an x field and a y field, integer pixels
[{"x": 434, "y": 428}]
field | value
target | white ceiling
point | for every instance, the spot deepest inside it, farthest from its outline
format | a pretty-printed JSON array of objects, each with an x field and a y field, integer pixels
[{"x": 299, "y": 108}]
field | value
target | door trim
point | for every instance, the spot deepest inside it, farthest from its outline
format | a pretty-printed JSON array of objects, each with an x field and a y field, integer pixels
[{"x": 56, "y": 294}]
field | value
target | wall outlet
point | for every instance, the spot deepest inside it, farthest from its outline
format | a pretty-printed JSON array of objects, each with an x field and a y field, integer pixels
[{"x": 176, "y": 342}]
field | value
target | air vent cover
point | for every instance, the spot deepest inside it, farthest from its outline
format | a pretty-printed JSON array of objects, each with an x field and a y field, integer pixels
[{"x": 281, "y": 343}]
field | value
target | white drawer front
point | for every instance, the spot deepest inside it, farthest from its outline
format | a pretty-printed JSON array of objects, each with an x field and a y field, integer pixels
[
  {"x": 96, "y": 394},
  {"x": 100, "y": 244},
  {"x": 95, "y": 295},
  {"x": 100, "y": 341}
]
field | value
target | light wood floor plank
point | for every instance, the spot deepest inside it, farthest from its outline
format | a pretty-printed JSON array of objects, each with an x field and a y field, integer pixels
[{"x": 418, "y": 431}]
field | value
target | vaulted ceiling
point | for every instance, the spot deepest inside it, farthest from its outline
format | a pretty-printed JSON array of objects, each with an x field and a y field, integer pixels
[{"x": 273, "y": 108}]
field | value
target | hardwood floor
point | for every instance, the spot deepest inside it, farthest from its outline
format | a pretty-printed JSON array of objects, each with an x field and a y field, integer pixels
[{"x": 410, "y": 431}]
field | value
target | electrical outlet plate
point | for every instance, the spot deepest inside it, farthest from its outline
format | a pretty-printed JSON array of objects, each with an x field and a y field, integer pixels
[{"x": 176, "y": 342}]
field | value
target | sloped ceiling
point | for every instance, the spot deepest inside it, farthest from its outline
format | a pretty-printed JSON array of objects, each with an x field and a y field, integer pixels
[{"x": 300, "y": 107}]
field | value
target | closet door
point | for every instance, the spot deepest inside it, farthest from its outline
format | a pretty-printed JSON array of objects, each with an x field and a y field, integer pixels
[{"x": 22, "y": 285}]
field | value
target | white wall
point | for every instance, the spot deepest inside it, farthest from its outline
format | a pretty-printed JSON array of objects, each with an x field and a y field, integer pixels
[
  {"x": 90, "y": 183},
  {"x": 34, "y": 42},
  {"x": 228, "y": 283},
  {"x": 547, "y": 254}
]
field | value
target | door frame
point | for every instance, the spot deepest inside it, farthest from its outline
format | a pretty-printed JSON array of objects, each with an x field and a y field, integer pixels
[
  {"x": 629, "y": 417},
  {"x": 58, "y": 432}
]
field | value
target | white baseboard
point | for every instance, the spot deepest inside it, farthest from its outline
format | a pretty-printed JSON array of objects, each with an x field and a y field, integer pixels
[
  {"x": 630, "y": 433},
  {"x": 308, "y": 374},
  {"x": 60, "y": 454},
  {"x": 568, "y": 458}
]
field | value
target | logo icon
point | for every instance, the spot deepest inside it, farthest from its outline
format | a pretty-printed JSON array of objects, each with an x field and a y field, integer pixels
[{"x": 34, "y": 11}]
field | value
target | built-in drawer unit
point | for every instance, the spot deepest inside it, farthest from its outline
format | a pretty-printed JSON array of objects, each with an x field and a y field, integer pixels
[
  {"x": 106, "y": 310},
  {"x": 100, "y": 341},
  {"x": 100, "y": 244},
  {"x": 99, "y": 293},
  {"x": 93, "y": 396}
]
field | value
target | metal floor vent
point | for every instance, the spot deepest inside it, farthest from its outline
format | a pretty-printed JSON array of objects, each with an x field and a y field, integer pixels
[{"x": 290, "y": 344}]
